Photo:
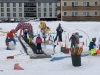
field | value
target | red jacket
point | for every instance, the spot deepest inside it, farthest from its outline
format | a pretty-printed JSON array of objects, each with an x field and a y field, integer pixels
[
  {"x": 10, "y": 35},
  {"x": 38, "y": 40}
]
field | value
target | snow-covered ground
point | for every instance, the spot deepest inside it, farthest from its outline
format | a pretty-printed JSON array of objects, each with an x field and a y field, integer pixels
[{"x": 90, "y": 64}]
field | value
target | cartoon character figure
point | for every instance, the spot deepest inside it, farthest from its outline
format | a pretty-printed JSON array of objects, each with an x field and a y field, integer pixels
[
  {"x": 10, "y": 41},
  {"x": 44, "y": 28}
]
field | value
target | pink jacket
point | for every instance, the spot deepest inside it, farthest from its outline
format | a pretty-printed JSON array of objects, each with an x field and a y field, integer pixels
[{"x": 38, "y": 40}]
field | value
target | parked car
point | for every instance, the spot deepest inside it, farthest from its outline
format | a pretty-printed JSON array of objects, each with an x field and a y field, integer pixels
[
  {"x": 6, "y": 20},
  {"x": 12, "y": 20},
  {"x": 17, "y": 20}
]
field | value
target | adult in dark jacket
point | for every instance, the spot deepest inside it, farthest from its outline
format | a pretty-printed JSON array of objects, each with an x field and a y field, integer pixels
[
  {"x": 59, "y": 33},
  {"x": 73, "y": 40}
]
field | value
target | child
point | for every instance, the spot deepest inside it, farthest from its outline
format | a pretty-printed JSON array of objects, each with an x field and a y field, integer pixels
[
  {"x": 73, "y": 40},
  {"x": 31, "y": 36},
  {"x": 38, "y": 42},
  {"x": 92, "y": 46}
]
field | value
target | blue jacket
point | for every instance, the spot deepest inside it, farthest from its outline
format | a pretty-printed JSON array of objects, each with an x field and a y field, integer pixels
[
  {"x": 91, "y": 45},
  {"x": 59, "y": 31},
  {"x": 9, "y": 40}
]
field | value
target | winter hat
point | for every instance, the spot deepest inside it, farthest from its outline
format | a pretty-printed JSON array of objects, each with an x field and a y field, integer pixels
[{"x": 38, "y": 35}]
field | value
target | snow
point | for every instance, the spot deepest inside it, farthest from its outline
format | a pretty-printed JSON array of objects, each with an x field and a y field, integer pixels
[{"x": 90, "y": 64}]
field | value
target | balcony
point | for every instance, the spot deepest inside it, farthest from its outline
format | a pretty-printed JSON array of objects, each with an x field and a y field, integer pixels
[
  {"x": 64, "y": 8},
  {"x": 81, "y": 18},
  {"x": 58, "y": 8}
]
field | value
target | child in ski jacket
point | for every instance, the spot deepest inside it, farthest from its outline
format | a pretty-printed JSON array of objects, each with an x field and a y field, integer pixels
[
  {"x": 92, "y": 47},
  {"x": 92, "y": 44},
  {"x": 31, "y": 36},
  {"x": 38, "y": 42}
]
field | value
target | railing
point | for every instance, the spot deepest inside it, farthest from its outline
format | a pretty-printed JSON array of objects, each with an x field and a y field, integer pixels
[
  {"x": 81, "y": 18},
  {"x": 64, "y": 8}
]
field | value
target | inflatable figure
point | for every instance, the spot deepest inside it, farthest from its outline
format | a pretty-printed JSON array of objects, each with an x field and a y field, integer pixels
[
  {"x": 44, "y": 29},
  {"x": 10, "y": 41}
]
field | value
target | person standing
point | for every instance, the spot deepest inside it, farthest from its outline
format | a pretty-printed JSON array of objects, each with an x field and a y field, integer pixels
[
  {"x": 38, "y": 43},
  {"x": 59, "y": 33},
  {"x": 73, "y": 40}
]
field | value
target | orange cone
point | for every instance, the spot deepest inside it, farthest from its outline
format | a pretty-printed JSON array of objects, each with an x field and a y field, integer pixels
[
  {"x": 17, "y": 67},
  {"x": 10, "y": 57}
]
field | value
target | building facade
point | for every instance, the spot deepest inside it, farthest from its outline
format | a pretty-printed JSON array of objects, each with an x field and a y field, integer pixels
[
  {"x": 12, "y": 10},
  {"x": 79, "y": 10},
  {"x": 43, "y": 9},
  {"x": 47, "y": 11}
]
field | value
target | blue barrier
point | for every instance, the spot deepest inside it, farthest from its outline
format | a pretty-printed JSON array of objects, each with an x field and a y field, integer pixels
[{"x": 59, "y": 58}]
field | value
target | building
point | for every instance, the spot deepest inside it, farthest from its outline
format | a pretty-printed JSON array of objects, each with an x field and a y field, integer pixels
[
  {"x": 79, "y": 10},
  {"x": 43, "y": 9},
  {"x": 47, "y": 11}
]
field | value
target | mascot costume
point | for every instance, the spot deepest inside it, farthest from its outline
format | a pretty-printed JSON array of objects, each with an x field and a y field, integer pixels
[
  {"x": 10, "y": 41},
  {"x": 44, "y": 29}
]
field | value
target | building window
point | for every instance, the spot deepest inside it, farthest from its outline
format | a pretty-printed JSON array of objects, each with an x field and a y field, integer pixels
[
  {"x": 96, "y": 3},
  {"x": 8, "y": 9},
  {"x": 2, "y": 14},
  {"x": 55, "y": 14},
  {"x": 20, "y": 14},
  {"x": 74, "y": 3},
  {"x": 39, "y": 9},
  {"x": 20, "y": 4},
  {"x": 86, "y": 13},
  {"x": 96, "y": 13},
  {"x": 14, "y": 4},
  {"x": 65, "y": 3},
  {"x": 8, "y": 4},
  {"x": 74, "y": 13},
  {"x": 14, "y": 9},
  {"x": 65, "y": 13},
  {"x": 2, "y": 4},
  {"x": 8, "y": 14},
  {"x": 50, "y": 4},
  {"x": 86, "y": 4},
  {"x": 20, "y": 9},
  {"x": 14, "y": 14},
  {"x": 39, "y": 14},
  {"x": 50, "y": 9},
  {"x": 50, "y": 14},
  {"x": 44, "y": 9},
  {"x": 39, "y": 4},
  {"x": 45, "y": 5},
  {"x": 2, "y": 9},
  {"x": 45, "y": 15}
]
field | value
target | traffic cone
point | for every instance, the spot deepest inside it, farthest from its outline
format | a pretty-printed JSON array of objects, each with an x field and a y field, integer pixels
[
  {"x": 10, "y": 57},
  {"x": 17, "y": 67}
]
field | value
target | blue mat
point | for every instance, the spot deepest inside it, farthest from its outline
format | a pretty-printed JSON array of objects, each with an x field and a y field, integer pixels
[
  {"x": 59, "y": 58},
  {"x": 48, "y": 44},
  {"x": 0, "y": 28}
]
